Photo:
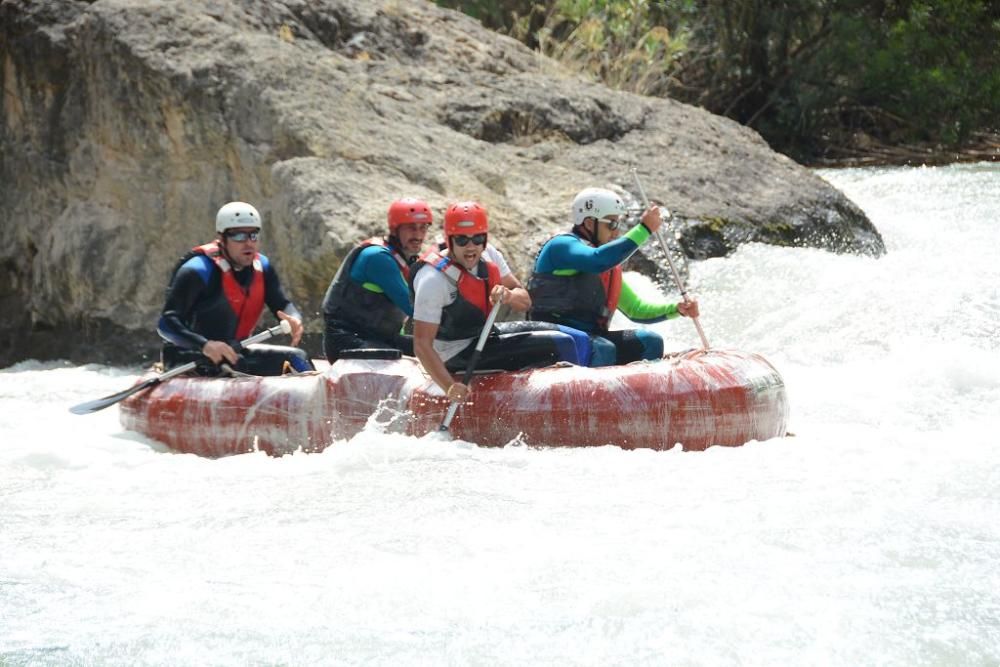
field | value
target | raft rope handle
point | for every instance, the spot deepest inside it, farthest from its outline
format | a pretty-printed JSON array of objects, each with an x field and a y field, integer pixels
[{"x": 673, "y": 269}]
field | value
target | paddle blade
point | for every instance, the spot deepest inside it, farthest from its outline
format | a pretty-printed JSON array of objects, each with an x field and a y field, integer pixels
[{"x": 107, "y": 401}]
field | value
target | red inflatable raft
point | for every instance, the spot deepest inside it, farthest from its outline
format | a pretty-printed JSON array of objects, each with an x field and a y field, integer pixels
[{"x": 695, "y": 399}]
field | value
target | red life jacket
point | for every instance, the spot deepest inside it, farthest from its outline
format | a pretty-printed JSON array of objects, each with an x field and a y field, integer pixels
[
  {"x": 612, "y": 281},
  {"x": 466, "y": 316},
  {"x": 247, "y": 305}
]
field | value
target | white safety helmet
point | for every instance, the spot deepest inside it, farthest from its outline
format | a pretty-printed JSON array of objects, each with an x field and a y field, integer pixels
[
  {"x": 596, "y": 203},
  {"x": 236, "y": 214}
]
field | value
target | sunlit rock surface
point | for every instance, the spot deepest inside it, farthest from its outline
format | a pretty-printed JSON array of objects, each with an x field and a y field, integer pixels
[{"x": 126, "y": 123}]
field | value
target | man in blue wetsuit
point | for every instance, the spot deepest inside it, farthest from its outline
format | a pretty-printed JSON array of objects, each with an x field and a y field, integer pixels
[
  {"x": 369, "y": 298},
  {"x": 577, "y": 280},
  {"x": 216, "y": 296}
]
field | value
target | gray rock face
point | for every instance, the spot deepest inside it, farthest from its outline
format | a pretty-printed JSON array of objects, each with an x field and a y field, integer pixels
[{"x": 125, "y": 124}]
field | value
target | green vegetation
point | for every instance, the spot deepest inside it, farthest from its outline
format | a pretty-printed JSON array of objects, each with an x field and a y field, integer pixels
[{"x": 819, "y": 79}]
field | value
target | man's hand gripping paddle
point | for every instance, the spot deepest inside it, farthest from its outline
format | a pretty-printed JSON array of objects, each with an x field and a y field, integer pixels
[
  {"x": 666, "y": 251},
  {"x": 471, "y": 367},
  {"x": 101, "y": 403}
]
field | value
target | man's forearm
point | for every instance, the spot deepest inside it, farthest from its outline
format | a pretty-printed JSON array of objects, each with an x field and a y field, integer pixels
[{"x": 431, "y": 361}]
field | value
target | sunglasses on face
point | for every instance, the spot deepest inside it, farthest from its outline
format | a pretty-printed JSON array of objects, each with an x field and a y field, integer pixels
[
  {"x": 242, "y": 237},
  {"x": 462, "y": 240},
  {"x": 613, "y": 222}
]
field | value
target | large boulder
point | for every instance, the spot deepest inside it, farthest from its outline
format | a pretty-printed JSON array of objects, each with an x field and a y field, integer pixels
[{"x": 125, "y": 124}]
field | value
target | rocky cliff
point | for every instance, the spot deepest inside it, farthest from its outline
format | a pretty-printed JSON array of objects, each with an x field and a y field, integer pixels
[{"x": 125, "y": 124}]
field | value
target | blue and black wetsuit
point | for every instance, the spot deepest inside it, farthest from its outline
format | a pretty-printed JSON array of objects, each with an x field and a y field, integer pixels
[
  {"x": 578, "y": 285},
  {"x": 367, "y": 301},
  {"x": 198, "y": 310}
]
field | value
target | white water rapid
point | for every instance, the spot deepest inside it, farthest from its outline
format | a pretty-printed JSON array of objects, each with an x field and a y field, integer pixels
[{"x": 871, "y": 537}]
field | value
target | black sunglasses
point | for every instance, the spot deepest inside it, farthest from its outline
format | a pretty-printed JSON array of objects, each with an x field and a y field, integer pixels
[
  {"x": 463, "y": 240},
  {"x": 240, "y": 237}
]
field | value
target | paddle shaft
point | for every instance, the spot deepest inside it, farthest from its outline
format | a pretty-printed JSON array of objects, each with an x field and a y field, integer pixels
[
  {"x": 107, "y": 401},
  {"x": 191, "y": 365},
  {"x": 670, "y": 262},
  {"x": 471, "y": 366}
]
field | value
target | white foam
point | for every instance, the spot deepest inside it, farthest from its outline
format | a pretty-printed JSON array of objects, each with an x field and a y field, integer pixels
[{"x": 869, "y": 537}]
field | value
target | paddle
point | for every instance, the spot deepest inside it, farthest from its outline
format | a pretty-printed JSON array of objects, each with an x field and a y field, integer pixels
[
  {"x": 471, "y": 367},
  {"x": 101, "y": 403},
  {"x": 666, "y": 251}
]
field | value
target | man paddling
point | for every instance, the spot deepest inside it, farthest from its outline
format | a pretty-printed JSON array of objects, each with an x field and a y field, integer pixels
[
  {"x": 577, "y": 280},
  {"x": 452, "y": 298},
  {"x": 216, "y": 296},
  {"x": 573, "y": 345},
  {"x": 369, "y": 297}
]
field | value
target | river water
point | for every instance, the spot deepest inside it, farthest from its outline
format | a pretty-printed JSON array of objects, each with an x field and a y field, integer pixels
[{"x": 870, "y": 537}]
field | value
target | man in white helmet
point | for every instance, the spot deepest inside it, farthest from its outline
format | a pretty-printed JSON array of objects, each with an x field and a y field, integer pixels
[
  {"x": 577, "y": 280},
  {"x": 216, "y": 296}
]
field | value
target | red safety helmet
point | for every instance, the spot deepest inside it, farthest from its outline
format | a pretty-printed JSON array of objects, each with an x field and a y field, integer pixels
[
  {"x": 466, "y": 217},
  {"x": 409, "y": 210}
]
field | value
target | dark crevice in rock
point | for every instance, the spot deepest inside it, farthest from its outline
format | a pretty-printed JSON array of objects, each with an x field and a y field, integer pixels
[
  {"x": 524, "y": 123},
  {"x": 704, "y": 241},
  {"x": 92, "y": 339},
  {"x": 515, "y": 127},
  {"x": 342, "y": 30}
]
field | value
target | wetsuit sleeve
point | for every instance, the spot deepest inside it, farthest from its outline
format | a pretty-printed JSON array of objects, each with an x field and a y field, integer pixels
[
  {"x": 274, "y": 294},
  {"x": 188, "y": 284},
  {"x": 644, "y": 312},
  {"x": 569, "y": 252},
  {"x": 376, "y": 266}
]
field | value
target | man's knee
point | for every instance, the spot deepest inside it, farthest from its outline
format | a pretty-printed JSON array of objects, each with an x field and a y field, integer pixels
[
  {"x": 637, "y": 344},
  {"x": 603, "y": 352},
  {"x": 652, "y": 344},
  {"x": 271, "y": 359},
  {"x": 299, "y": 360},
  {"x": 575, "y": 343},
  {"x": 336, "y": 341}
]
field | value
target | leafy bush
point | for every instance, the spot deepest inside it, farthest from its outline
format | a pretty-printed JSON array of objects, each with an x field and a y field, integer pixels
[{"x": 807, "y": 74}]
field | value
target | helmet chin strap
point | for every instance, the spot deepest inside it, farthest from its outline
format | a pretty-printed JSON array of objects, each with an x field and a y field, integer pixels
[
  {"x": 397, "y": 245},
  {"x": 586, "y": 234},
  {"x": 225, "y": 253}
]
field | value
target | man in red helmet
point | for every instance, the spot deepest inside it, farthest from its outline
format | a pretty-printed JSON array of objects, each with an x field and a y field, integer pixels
[
  {"x": 369, "y": 298},
  {"x": 453, "y": 296}
]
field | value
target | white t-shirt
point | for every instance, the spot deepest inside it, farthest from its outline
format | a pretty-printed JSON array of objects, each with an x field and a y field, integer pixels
[
  {"x": 434, "y": 291},
  {"x": 493, "y": 255}
]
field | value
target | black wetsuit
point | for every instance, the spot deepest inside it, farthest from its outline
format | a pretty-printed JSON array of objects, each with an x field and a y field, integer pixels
[{"x": 197, "y": 311}]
